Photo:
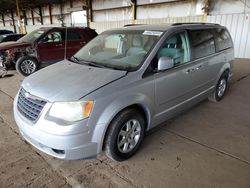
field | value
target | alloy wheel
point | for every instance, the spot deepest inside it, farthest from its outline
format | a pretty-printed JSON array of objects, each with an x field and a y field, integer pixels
[
  {"x": 129, "y": 136},
  {"x": 222, "y": 87},
  {"x": 28, "y": 66}
]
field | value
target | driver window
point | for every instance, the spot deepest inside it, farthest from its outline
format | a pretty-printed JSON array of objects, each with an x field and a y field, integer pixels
[
  {"x": 53, "y": 37},
  {"x": 177, "y": 48}
]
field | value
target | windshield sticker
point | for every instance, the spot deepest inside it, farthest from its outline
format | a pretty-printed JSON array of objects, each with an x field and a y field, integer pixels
[{"x": 154, "y": 33}]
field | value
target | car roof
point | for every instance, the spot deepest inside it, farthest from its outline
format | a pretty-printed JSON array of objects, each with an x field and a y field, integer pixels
[
  {"x": 11, "y": 34},
  {"x": 5, "y": 31},
  {"x": 165, "y": 27},
  {"x": 50, "y": 28}
]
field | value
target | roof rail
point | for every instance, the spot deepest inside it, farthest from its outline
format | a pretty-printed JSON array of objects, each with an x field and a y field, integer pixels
[
  {"x": 128, "y": 25},
  {"x": 193, "y": 23}
]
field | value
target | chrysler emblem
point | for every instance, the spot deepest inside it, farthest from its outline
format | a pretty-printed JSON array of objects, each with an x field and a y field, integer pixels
[{"x": 27, "y": 95}]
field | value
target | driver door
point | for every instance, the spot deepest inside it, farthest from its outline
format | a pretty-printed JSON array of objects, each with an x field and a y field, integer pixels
[
  {"x": 176, "y": 86},
  {"x": 51, "y": 47}
]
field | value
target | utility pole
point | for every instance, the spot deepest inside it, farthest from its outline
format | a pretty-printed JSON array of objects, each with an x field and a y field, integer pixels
[
  {"x": 133, "y": 10},
  {"x": 206, "y": 10},
  {"x": 86, "y": 8},
  {"x": 19, "y": 17}
]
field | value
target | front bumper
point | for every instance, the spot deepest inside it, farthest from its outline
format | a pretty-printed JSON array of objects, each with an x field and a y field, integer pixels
[{"x": 64, "y": 142}]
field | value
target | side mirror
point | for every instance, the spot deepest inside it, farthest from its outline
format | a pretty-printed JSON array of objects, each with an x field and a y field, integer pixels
[{"x": 165, "y": 63}]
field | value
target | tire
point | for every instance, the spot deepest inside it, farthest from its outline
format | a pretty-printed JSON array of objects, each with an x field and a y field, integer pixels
[
  {"x": 26, "y": 65},
  {"x": 121, "y": 142},
  {"x": 3, "y": 70},
  {"x": 220, "y": 89}
]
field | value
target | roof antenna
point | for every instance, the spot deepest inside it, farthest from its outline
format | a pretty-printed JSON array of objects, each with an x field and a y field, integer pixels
[{"x": 66, "y": 39}]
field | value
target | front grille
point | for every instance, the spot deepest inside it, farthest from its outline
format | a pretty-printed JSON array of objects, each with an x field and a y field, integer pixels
[{"x": 29, "y": 106}]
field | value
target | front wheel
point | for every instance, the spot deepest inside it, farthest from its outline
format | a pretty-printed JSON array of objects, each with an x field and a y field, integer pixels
[
  {"x": 3, "y": 70},
  {"x": 125, "y": 135},
  {"x": 220, "y": 89},
  {"x": 26, "y": 65}
]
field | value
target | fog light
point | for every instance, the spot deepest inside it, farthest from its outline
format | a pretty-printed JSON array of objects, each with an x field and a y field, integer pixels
[{"x": 60, "y": 152}]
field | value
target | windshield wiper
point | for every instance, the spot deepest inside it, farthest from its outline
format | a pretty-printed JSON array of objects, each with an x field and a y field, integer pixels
[
  {"x": 83, "y": 62},
  {"x": 96, "y": 65},
  {"x": 91, "y": 63},
  {"x": 74, "y": 59}
]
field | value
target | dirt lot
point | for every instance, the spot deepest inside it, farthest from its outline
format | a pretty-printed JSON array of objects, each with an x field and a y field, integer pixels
[{"x": 207, "y": 146}]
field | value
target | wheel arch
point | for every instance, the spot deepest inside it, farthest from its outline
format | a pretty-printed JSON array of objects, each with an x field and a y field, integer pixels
[
  {"x": 21, "y": 55},
  {"x": 110, "y": 112},
  {"x": 137, "y": 106},
  {"x": 224, "y": 69},
  {"x": 23, "y": 58}
]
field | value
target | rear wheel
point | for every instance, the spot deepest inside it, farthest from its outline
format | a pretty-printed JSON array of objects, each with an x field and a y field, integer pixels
[
  {"x": 26, "y": 65},
  {"x": 220, "y": 89},
  {"x": 125, "y": 135}
]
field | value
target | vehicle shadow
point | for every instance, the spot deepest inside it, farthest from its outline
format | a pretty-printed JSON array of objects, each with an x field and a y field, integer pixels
[
  {"x": 7, "y": 76},
  {"x": 168, "y": 124}
]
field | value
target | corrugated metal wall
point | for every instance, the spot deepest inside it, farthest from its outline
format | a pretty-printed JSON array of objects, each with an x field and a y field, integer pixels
[
  {"x": 58, "y": 14},
  {"x": 238, "y": 25}
]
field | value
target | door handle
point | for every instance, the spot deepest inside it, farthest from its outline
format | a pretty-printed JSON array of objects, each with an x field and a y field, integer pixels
[
  {"x": 189, "y": 71},
  {"x": 199, "y": 67},
  {"x": 59, "y": 44},
  {"x": 84, "y": 42}
]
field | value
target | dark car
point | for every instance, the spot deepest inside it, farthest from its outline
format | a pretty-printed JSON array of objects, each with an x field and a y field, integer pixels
[
  {"x": 10, "y": 37},
  {"x": 43, "y": 47},
  {"x": 4, "y": 32}
]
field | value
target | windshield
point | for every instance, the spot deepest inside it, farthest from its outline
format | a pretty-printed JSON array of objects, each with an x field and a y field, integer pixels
[
  {"x": 123, "y": 50},
  {"x": 31, "y": 37}
]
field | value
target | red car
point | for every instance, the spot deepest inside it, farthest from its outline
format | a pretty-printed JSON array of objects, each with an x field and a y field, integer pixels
[{"x": 43, "y": 47}]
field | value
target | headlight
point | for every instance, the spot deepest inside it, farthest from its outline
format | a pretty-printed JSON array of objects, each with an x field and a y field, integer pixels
[{"x": 71, "y": 111}]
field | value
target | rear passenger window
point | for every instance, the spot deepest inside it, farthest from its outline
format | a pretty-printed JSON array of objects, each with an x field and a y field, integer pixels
[
  {"x": 222, "y": 39},
  {"x": 73, "y": 35},
  {"x": 202, "y": 42}
]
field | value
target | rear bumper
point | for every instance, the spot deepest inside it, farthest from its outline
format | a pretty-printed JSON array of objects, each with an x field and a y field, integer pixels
[{"x": 64, "y": 146}]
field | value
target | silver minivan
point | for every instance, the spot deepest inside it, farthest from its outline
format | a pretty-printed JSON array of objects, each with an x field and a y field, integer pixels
[{"x": 120, "y": 85}]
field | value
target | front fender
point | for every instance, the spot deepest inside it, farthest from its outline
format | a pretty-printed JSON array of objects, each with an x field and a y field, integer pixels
[{"x": 114, "y": 108}]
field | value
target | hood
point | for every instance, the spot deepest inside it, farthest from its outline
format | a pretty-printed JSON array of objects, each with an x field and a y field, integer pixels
[
  {"x": 67, "y": 81},
  {"x": 8, "y": 45}
]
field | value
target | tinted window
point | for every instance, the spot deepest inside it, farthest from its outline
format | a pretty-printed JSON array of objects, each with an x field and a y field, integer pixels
[
  {"x": 2, "y": 38},
  {"x": 8, "y": 38},
  {"x": 73, "y": 35},
  {"x": 53, "y": 37},
  {"x": 11, "y": 38},
  {"x": 222, "y": 39},
  {"x": 90, "y": 32},
  {"x": 202, "y": 42}
]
